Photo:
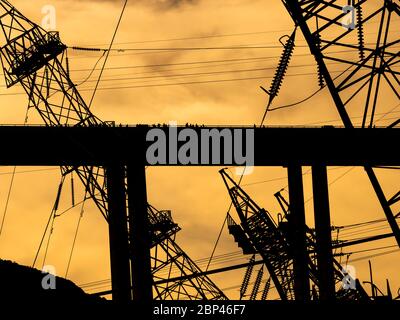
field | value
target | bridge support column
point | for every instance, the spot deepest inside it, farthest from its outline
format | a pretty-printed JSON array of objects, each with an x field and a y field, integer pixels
[
  {"x": 297, "y": 226},
  {"x": 139, "y": 234},
  {"x": 323, "y": 233},
  {"x": 118, "y": 232}
]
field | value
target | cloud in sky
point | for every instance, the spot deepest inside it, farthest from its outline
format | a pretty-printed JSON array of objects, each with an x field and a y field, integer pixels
[{"x": 156, "y": 4}]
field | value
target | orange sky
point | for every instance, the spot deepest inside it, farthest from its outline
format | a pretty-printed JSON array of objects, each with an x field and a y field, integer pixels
[{"x": 196, "y": 196}]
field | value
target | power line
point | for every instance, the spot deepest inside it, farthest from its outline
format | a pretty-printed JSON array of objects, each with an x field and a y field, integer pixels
[
  {"x": 179, "y": 83},
  {"x": 180, "y": 63},
  {"x": 369, "y": 230},
  {"x": 7, "y": 200},
  {"x": 375, "y": 255},
  {"x": 290, "y": 105},
  {"x": 53, "y": 215},
  {"x": 333, "y": 182},
  {"x": 205, "y": 61},
  {"x": 107, "y": 54},
  {"x": 168, "y": 49},
  {"x": 196, "y": 82},
  {"x": 91, "y": 72},
  {"x": 235, "y": 47},
  {"x": 189, "y": 63},
  {"x": 196, "y": 73},
  {"x": 196, "y": 38},
  {"x": 183, "y": 75},
  {"x": 28, "y": 171},
  {"x": 11, "y": 184},
  {"x": 389, "y": 112},
  {"x": 208, "y": 36},
  {"x": 222, "y": 258},
  {"x": 285, "y": 178},
  {"x": 76, "y": 234}
]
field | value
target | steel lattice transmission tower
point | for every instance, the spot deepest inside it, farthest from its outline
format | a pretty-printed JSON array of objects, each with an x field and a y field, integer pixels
[
  {"x": 257, "y": 232},
  {"x": 36, "y": 59},
  {"x": 363, "y": 38}
]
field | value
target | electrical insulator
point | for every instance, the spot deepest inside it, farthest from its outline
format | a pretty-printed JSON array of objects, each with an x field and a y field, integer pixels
[
  {"x": 360, "y": 30},
  {"x": 284, "y": 61},
  {"x": 247, "y": 276},
  {"x": 266, "y": 289},
  {"x": 257, "y": 284}
]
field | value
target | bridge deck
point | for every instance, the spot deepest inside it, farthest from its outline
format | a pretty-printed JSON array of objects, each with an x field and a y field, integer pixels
[{"x": 273, "y": 146}]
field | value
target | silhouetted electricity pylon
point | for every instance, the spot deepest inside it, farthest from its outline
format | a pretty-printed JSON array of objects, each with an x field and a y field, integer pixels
[
  {"x": 363, "y": 38},
  {"x": 37, "y": 60},
  {"x": 258, "y": 233}
]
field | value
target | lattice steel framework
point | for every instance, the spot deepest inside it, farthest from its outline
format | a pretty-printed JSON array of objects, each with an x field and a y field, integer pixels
[
  {"x": 361, "y": 36},
  {"x": 37, "y": 60},
  {"x": 257, "y": 230}
]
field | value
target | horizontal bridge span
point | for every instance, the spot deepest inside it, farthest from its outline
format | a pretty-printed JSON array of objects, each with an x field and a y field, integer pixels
[{"x": 197, "y": 146}]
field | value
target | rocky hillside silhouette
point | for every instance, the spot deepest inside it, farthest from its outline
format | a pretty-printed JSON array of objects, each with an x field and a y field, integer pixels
[{"x": 19, "y": 283}]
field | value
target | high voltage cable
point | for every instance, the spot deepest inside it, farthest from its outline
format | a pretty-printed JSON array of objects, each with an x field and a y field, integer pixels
[
  {"x": 180, "y": 83},
  {"x": 375, "y": 255},
  {"x": 7, "y": 200},
  {"x": 290, "y": 105},
  {"x": 11, "y": 185},
  {"x": 210, "y": 36},
  {"x": 189, "y": 63},
  {"x": 285, "y": 178},
  {"x": 234, "y": 47},
  {"x": 95, "y": 284},
  {"x": 107, "y": 54},
  {"x": 204, "y": 61},
  {"x": 223, "y": 258},
  {"x": 171, "y": 84},
  {"x": 197, "y": 73},
  {"x": 50, "y": 222},
  {"x": 91, "y": 72},
  {"x": 195, "y": 38},
  {"x": 180, "y": 63},
  {"x": 121, "y": 53},
  {"x": 28, "y": 171},
  {"x": 360, "y": 230},
  {"x": 196, "y": 82},
  {"x": 231, "y": 47},
  {"x": 353, "y": 233},
  {"x": 76, "y": 233}
]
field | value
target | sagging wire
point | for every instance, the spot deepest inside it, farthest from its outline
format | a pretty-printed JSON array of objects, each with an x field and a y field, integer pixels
[
  {"x": 82, "y": 211},
  {"x": 107, "y": 55},
  {"x": 3, "y": 219},
  {"x": 50, "y": 223},
  {"x": 92, "y": 71}
]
